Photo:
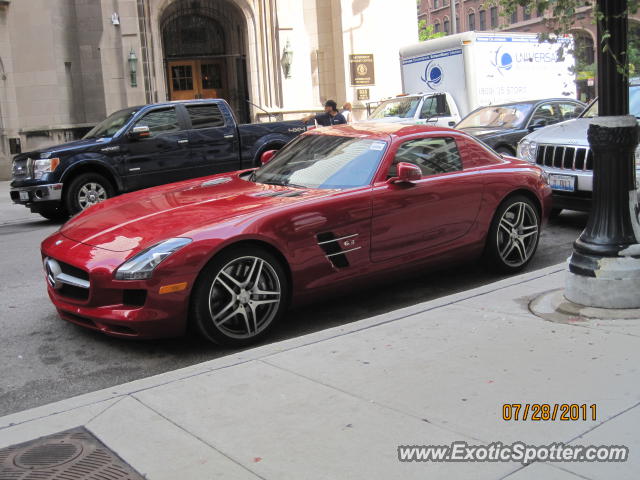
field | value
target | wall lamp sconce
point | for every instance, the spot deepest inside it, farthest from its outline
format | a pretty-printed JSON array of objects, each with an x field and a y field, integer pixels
[
  {"x": 133, "y": 68},
  {"x": 287, "y": 57}
]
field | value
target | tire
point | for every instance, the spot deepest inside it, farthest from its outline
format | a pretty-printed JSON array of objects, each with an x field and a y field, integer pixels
[
  {"x": 223, "y": 303},
  {"x": 85, "y": 190},
  {"x": 513, "y": 236},
  {"x": 505, "y": 151},
  {"x": 55, "y": 214}
]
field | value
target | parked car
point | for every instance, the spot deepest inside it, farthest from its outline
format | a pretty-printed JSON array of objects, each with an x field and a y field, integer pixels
[
  {"x": 141, "y": 147},
  {"x": 335, "y": 207},
  {"x": 563, "y": 151},
  {"x": 503, "y": 126}
]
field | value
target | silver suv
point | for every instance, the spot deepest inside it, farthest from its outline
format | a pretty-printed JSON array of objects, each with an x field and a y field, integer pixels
[{"x": 562, "y": 150}]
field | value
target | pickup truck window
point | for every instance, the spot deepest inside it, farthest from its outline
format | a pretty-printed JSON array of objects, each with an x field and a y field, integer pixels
[
  {"x": 112, "y": 124},
  {"x": 205, "y": 116},
  {"x": 433, "y": 155},
  {"x": 403, "y": 107},
  {"x": 160, "y": 121},
  {"x": 430, "y": 108}
]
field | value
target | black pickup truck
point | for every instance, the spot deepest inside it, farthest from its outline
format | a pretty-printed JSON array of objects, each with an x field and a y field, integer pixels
[{"x": 141, "y": 147}]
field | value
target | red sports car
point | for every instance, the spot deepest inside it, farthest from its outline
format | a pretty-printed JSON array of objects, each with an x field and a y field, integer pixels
[{"x": 339, "y": 205}]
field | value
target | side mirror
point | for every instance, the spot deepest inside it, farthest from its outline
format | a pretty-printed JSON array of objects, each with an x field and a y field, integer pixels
[
  {"x": 407, "y": 173},
  {"x": 136, "y": 133},
  {"x": 267, "y": 156}
]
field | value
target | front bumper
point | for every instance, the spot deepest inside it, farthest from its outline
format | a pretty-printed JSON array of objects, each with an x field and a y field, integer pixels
[
  {"x": 51, "y": 192},
  {"x": 126, "y": 309},
  {"x": 581, "y": 198}
]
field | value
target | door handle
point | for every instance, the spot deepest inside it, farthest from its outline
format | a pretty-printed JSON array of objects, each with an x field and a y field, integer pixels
[
  {"x": 183, "y": 141},
  {"x": 228, "y": 136}
]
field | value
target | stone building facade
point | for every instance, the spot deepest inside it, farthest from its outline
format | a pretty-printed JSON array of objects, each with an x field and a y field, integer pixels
[
  {"x": 480, "y": 15},
  {"x": 66, "y": 64}
]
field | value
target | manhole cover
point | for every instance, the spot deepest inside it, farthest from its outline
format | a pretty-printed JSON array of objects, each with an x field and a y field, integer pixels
[
  {"x": 48, "y": 455},
  {"x": 72, "y": 455}
]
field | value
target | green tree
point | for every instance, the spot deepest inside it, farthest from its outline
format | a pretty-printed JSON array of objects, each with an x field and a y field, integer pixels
[{"x": 425, "y": 32}]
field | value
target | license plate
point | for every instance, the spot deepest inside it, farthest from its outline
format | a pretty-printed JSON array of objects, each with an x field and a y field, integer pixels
[
  {"x": 24, "y": 196},
  {"x": 566, "y": 183}
]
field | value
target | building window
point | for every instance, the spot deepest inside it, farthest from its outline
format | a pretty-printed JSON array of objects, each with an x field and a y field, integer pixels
[
  {"x": 494, "y": 17},
  {"x": 514, "y": 16},
  {"x": 436, "y": 27},
  {"x": 458, "y": 26},
  {"x": 436, "y": 4},
  {"x": 539, "y": 11},
  {"x": 446, "y": 26},
  {"x": 472, "y": 21},
  {"x": 526, "y": 13},
  {"x": 483, "y": 20}
]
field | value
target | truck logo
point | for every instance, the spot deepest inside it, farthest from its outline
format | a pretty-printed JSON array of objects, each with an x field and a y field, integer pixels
[
  {"x": 433, "y": 75},
  {"x": 503, "y": 61}
]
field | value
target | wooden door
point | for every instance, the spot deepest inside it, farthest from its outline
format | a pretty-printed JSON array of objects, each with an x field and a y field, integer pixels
[
  {"x": 182, "y": 84},
  {"x": 212, "y": 79}
]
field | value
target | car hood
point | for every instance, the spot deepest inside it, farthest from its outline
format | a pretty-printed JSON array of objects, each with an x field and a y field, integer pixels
[
  {"x": 389, "y": 120},
  {"x": 571, "y": 132},
  {"x": 141, "y": 219},
  {"x": 68, "y": 147}
]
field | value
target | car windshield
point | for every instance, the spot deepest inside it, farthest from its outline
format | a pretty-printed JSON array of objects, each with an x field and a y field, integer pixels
[
  {"x": 404, "y": 107},
  {"x": 502, "y": 116},
  {"x": 323, "y": 161},
  {"x": 112, "y": 124},
  {"x": 634, "y": 104}
]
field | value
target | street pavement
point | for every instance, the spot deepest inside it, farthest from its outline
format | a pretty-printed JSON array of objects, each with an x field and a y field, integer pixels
[
  {"x": 336, "y": 404},
  {"x": 44, "y": 359}
]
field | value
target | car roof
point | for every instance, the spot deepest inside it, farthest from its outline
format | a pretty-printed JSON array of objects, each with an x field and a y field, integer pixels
[
  {"x": 379, "y": 130},
  {"x": 532, "y": 102},
  {"x": 174, "y": 102}
]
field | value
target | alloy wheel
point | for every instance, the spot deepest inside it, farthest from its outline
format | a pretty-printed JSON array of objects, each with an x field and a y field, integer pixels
[
  {"x": 90, "y": 194},
  {"x": 517, "y": 234},
  {"x": 244, "y": 297}
]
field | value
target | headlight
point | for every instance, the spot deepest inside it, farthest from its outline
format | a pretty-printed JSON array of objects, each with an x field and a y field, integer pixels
[
  {"x": 527, "y": 150},
  {"x": 142, "y": 265},
  {"x": 44, "y": 165}
]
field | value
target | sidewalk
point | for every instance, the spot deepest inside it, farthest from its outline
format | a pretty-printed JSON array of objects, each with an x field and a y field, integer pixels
[{"x": 337, "y": 403}]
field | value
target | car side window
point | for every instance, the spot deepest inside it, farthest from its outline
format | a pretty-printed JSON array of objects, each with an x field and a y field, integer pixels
[
  {"x": 160, "y": 121},
  {"x": 205, "y": 116},
  {"x": 434, "y": 155},
  {"x": 544, "y": 115},
  {"x": 570, "y": 110}
]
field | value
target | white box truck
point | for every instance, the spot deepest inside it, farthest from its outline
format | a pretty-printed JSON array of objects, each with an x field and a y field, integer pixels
[{"x": 446, "y": 78}]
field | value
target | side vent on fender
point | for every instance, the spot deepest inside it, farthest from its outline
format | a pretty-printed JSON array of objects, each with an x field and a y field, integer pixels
[{"x": 333, "y": 248}]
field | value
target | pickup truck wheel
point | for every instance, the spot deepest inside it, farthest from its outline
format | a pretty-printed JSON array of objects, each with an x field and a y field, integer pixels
[
  {"x": 55, "y": 214},
  {"x": 239, "y": 296},
  {"x": 87, "y": 189},
  {"x": 513, "y": 237}
]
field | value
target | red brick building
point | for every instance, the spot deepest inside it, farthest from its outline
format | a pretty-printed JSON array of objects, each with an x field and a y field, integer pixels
[{"x": 478, "y": 15}]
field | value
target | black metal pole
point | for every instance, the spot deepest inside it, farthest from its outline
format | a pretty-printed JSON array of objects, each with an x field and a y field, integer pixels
[
  {"x": 613, "y": 84},
  {"x": 613, "y": 139}
]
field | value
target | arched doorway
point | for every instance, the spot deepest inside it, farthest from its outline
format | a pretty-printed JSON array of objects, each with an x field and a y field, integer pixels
[
  {"x": 204, "y": 52},
  {"x": 585, "y": 65}
]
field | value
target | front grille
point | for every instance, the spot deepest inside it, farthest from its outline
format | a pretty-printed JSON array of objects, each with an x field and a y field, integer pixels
[
  {"x": 67, "y": 280},
  {"x": 565, "y": 157}
]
